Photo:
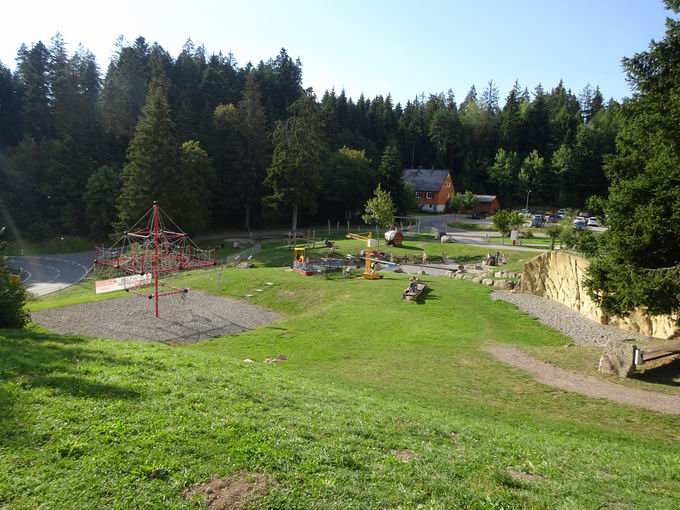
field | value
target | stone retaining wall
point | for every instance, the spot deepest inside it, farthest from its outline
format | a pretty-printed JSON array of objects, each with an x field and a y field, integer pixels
[{"x": 559, "y": 275}]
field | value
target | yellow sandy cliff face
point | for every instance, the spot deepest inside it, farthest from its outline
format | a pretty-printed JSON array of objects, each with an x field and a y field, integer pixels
[{"x": 559, "y": 276}]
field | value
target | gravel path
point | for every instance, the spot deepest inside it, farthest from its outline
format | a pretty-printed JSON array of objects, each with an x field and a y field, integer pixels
[
  {"x": 182, "y": 320},
  {"x": 582, "y": 330},
  {"x": 584, "y": 384}
]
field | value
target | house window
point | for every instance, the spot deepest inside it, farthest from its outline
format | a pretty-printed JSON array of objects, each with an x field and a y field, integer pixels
[
  {"x": 429, "y": 195},
  {"x": 417, "y": 194},
  {"x": 448, "y": 195},
  {"x": 448, "y": 184}
]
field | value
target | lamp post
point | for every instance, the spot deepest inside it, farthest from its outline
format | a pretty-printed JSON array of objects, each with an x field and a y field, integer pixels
[{"x": 526, "y": 208}]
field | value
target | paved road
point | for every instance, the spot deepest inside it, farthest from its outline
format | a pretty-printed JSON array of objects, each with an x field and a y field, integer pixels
[{"x": 44, "y": 275}]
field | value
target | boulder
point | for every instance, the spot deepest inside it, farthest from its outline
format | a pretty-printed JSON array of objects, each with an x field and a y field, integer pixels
[
  {"x": 618, "y": 358},
  {"x": 487, "y": 281},
  {"x": 477, "y": 280},
  {"x": 499, "y": 274},
  {"x": 504, "y": 284}
]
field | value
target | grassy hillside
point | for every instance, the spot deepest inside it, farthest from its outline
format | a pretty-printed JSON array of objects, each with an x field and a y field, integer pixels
[{"x": 88, "y": 423}]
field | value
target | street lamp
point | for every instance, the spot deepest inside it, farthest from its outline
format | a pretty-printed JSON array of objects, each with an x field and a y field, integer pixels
[{"x": 526, "y": 208}]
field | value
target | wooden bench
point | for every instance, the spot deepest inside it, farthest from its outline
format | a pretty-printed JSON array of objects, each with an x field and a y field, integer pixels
[
  {"x": 642, "y": 356},
  {"x": 412, "y": 294}
]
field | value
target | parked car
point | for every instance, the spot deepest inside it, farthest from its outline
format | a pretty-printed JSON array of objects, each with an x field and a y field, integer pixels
[
  {"x": 579, "y": 223},
  {"x": 477, "y": 215},
  {"x": 551, "y": 218},
  {"x": 584, "y": 214},
  {"x": 592, "y": 222},
  {"x": 562, "y": 212},
  {"x": 537, "y": 221}
]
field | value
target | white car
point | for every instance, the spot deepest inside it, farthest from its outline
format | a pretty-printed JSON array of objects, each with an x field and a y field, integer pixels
[
  {"x": 592, "y": 222},
  {"x": 579, "y": 223}
]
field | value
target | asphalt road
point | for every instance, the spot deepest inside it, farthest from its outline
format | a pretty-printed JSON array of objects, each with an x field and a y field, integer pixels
[{"x": 44, "y": 275}]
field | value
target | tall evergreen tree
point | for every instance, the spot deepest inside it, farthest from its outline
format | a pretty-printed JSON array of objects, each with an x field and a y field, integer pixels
[
  {"x": 153, "y": 168},
  {"x": 10, "y": 108},
  {"x": 125, "y": 88},
  {"x": 390, "y": 177},
  {"x": 33, "y": 69},
  {"x": 295, "y": 172},
  {"x": 639, "y": 263},
  {"x": 101, "y": 194},
  {"x": 197, "y": 181},
  {"x": 253, "y": 147}
]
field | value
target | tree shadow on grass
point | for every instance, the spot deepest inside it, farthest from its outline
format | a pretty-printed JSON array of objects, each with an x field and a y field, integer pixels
[
  {"x": 668, "y": 374},
  {"x": 467, "y": 259},
  {"x": 61, "y": 364}
]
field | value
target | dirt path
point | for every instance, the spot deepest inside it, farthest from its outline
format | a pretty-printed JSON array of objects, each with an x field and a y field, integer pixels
[{"x": 584, "y": 384}]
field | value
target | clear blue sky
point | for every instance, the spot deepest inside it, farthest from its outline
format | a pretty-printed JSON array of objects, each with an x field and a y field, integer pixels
[{"x": 372, "y": 46}]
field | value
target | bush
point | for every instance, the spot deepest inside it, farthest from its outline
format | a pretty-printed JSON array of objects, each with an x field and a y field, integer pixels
[
  {"x": 13, "y": 297},
  {"x": 553, "y": 232}
]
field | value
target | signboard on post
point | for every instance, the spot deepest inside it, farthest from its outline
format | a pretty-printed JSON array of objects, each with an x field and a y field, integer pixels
[
  {"x": 122, "y": 283},
  {"x": 514, "y": 237}
]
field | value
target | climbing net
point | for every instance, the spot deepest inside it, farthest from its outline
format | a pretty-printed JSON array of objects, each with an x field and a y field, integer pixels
[{"x": 154, "y": 248}]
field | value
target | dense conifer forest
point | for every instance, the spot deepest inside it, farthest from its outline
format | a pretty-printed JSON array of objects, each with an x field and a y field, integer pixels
[{"x": 85, "y": 149}]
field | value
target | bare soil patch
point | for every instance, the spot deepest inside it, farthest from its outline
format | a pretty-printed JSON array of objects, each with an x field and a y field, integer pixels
[
  {"x": 523, "y": 476},
  {"x": 233, "y": 493},
  {"x": 182, "y": 319},
  {"x": 585, "y": 384},
  {"x": 404, "y": 455}
]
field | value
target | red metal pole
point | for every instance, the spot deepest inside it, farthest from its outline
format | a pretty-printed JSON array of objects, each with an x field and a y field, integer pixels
[{"x": 155, "y": 237}]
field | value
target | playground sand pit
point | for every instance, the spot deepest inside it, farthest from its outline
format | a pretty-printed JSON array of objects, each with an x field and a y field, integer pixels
[{"x": 182, "y": 319}]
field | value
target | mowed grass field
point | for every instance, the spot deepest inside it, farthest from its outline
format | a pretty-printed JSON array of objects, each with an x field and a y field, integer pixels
[{"x": 95, "y": 423}]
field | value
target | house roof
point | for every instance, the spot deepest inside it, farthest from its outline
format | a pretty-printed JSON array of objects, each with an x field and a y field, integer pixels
[
  {"x": 423, "y": 179},
  {"x": 486, "y": 199}
]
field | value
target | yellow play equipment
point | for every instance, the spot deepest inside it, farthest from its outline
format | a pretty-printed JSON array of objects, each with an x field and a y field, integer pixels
[{"x": 369, "y": 273}]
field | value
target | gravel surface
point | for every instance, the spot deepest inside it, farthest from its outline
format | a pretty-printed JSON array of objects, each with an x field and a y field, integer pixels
[
  {"x": 584, "y": 384},
  {"x": 182, "y": 320},
  {"x": 582, "y": 330}
]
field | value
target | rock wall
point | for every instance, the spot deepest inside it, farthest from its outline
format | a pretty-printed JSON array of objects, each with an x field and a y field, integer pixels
[{"x": 559, "y": 275}]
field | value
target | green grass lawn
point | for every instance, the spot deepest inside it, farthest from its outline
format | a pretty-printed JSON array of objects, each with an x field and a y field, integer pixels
[
  {"x": 278, "y": 254},
  {"x": 87, "y": 423},
  {"x": 539, "y": 242}
]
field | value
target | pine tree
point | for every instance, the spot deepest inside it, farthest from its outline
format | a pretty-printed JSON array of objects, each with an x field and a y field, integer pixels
[
  {"x": 125, "y": 87},
  {"x": 390, "y": 177},
  {"x": 638, "y": 265},
  {"x": 33, "y": 68},
  {"x": 489, "y": 100},
  {"x": 295, "y": 172},
  {"x": 10, "y": 108},
  {"x": 101, "y": 193},
  {"x": 253, "y": 147},
  {"x": 153, "y": 168},
  {"x": 197, "y": 182}
]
